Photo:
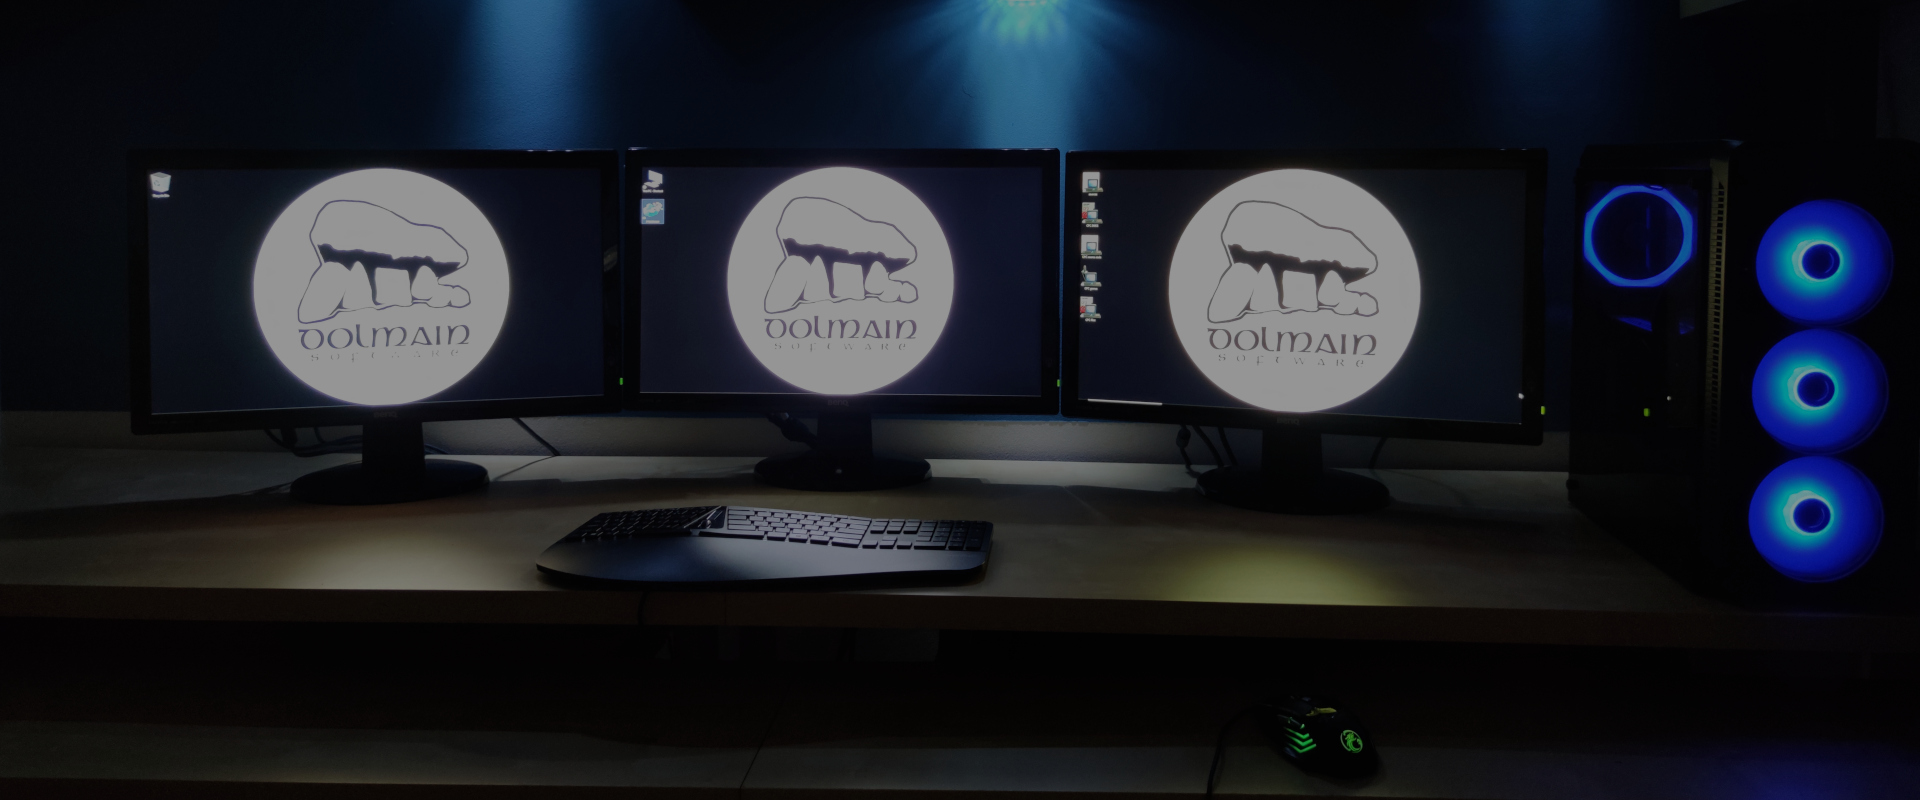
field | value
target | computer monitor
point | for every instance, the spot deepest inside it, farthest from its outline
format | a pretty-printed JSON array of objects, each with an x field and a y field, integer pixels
[
  {"x": 1299, "y": 293},
  {"x": 278, "y": 290},
  {"x": 843, "y": 283}
]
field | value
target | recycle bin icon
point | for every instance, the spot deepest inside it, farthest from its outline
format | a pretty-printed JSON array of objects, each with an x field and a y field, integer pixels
[{"x": 162, "y": 182}]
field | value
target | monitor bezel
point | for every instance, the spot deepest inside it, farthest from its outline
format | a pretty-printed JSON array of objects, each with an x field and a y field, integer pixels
[
  {"x": 142, "y": 162},
  {"x": 1533, "y": 349},
  {"x": 1045, "y": 402}
]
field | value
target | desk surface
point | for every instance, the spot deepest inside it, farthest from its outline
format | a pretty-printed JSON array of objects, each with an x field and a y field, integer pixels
[{"x": 1113, "y": 548}]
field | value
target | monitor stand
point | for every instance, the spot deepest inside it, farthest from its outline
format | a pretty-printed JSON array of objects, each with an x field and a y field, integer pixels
[
  {"x": 393, "y": 468},
  {"x": 1291, "y": 480},
  {"x": 841, "y": 460}
]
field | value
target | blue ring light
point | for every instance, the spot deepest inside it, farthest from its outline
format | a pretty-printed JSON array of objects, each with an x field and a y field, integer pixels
[
  {"x": 1824, "y": 262},
  {"x": 1679, "y": 260},
  {"x": 1820, "y": 391},
  {"x": 1815, "y": 519}
]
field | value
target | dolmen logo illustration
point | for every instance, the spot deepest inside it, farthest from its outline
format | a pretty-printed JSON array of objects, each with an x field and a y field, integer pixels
[
  {"x": 1294, "y": 290},
  {"x": 1284, "y": 261},
  {"x": 834, "y": 254},
  {"x": 840, "y": 280},
  {"x": 380, "y": 286},
  {"x": 396, "y": 262}
]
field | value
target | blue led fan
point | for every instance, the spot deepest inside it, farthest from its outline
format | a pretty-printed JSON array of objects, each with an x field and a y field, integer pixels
[
  {"x": 1824, "y": 262},
  {"x": 1815, "y": 519},
  {"x": 1820, "y": 391},
  {"x": 1643, "y": 235}
]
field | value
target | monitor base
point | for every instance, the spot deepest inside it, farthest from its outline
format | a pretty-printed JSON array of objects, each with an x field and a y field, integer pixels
[
  {"x": 841, "y": 459},
  {"x": 1292, "y": 480},
  {"x": 815, "y": 471},
  {"x": 1336, "y": 492},
  {"x": 393, "y": 468}
]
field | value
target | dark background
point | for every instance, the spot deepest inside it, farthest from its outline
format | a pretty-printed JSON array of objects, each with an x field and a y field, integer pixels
[
  {"x": 209, "y": 355},
  {"x": 991, "y": 344},
  {"x": 86, "y": 81},
  {"x": 1468, "y": 230}
]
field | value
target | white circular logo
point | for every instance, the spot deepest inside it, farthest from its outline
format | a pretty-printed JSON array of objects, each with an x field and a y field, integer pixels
[
  {"x": 840, "y": 281},
  {"x": 380, "y": 286},
  {"x": 1294, "y": 290}
]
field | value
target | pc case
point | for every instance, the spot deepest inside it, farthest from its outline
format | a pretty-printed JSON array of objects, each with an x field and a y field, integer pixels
[{"x": 1744, "y": 366}]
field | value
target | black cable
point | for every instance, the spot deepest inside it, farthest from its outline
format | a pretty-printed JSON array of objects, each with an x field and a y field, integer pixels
[
  {"x": 503, "y": 476},
  {"x": 793, "y": 429},
  {"x": 1226, "y": 445},
  {"x": 536, "y": 437},
  {"x": 1217, "y": 460},
  {"x": 1181, "y": 439},
  {"x": 289, "y": 439},
  {"x": 1376, "y": 453},
  {"x": 1220, "y": 748}
]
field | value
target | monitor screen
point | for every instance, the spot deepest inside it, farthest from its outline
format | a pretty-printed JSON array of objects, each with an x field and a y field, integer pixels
[
  {"x": 1374, "y": 293},
  {"x": 884, "y": 280},
  {"x": 290, "y": 289}
]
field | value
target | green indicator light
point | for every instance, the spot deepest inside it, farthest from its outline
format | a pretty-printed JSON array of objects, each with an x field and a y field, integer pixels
[
  {"x": 1351, "y": 741},
  {"x": 623, "y": 381},
  {"x": 1543, "y": 411},
  {"x": 1056, "y": 383},
  {"x": 1646, "y": 412}
]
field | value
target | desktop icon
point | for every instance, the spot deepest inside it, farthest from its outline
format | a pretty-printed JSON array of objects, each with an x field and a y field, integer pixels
[
  {"x": 1089, "y": 214},
  {"x": 1088, "y": 309},
  {"x": 1294, "y": 290},
  {"x": 1090, "y": 245},
  {"x": 653, "y": 211},
  {"x": 652, "y": 183},
  {"x": 840, "y": 280},
  {"x": 1090, "y": 182},
  {"x": 381, "y": 286},
  {"x": 161, "y": 183}
]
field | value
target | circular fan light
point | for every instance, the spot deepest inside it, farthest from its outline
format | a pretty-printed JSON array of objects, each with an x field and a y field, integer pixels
[
  {"x": 1815, "y": 519},
  {"x": 1679, "y": 259},
  {"x": 1824, "y": 262},
  {"x": 1820, "y": 391}
]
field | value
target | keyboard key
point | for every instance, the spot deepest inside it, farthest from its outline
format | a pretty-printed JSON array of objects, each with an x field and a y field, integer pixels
[{"x": 732, "y": 534}]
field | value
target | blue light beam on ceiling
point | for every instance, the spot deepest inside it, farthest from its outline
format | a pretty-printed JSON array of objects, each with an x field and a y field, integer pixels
[
  {"x": 529, "y": 79},
  {"x": 1028, "y": 70}
]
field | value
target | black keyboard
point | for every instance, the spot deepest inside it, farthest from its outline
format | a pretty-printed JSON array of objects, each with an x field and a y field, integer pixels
[{"x": 710, "y": 545}]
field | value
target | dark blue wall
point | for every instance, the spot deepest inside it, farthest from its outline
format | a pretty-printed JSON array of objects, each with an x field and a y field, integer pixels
[{"x": 84, "y": 84}]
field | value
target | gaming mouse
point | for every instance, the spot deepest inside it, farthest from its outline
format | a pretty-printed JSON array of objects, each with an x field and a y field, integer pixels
[{"x": 1318, "y": 736}]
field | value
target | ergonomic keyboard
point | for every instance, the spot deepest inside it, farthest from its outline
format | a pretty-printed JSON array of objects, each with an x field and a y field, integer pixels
[{"x": 714, "y": 545}]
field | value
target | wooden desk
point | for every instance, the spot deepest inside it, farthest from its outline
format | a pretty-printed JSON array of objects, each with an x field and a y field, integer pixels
[
  {"x": 1107, "y": 548},
  {"x": 304, "y": 711}
]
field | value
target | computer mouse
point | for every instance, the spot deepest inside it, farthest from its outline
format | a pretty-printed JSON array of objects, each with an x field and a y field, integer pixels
[{"x": 1316, "y": 734}]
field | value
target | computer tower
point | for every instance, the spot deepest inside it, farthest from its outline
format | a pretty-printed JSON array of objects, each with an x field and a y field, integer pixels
[{"x": 1744, "y": 362}]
